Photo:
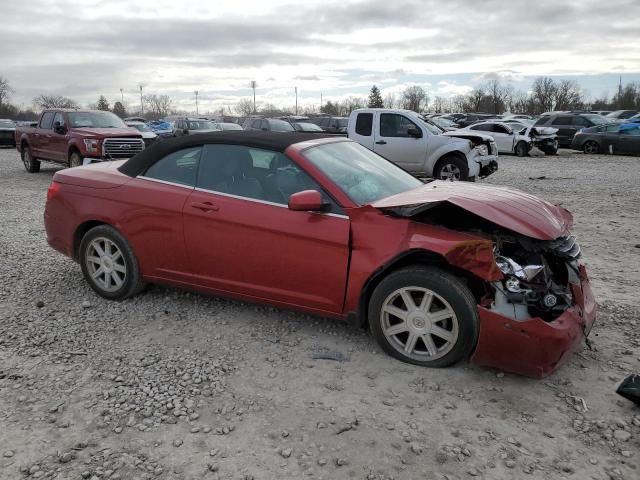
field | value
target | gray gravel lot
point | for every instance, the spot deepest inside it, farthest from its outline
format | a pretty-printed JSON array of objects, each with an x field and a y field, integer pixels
[{"x": 176, "y": 385}]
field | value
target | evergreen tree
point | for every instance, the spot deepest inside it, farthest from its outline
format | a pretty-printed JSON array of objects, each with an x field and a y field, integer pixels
[
  {"x": 375, "y": 99},
  {"x": 119, "y": 109},
  {"x": 102, "y": 104}
]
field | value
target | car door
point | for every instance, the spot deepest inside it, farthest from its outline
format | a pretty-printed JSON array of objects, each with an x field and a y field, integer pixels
[
  {"x": 566, "y": 130},
  {"x": 504, "y": 137},
  {"x": 629, "y": 140},
  {"x": 58, "y": 141},
  {"x": 153, "y": 222},
  {"x": 393, "y": 141},
  {"x": 242, "y": 239},
  {"x": 41, "y": 149}
]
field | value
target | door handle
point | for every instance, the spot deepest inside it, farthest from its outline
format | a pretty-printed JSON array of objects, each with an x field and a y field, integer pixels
[
  {"x": 205, "y": 206},
  {"x": 381, "y": 142}
]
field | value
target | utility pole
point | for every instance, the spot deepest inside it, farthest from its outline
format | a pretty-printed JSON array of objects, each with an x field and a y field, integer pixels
[
  {"x": 254, "y": 85},
  {"x": 296, "y": 100},
  {"x": 196, "y": 92},
  {"x": 141, "y": 102},
  {"x": 122, "y": 96},
  {"x": 320, "y": 101}
]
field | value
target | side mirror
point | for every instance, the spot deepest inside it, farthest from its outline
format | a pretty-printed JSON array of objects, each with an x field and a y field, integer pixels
[
  {"x": 307, "y": 200},
  {"x": 414, "y": 132},
  {"x": 58, "y": 128}
]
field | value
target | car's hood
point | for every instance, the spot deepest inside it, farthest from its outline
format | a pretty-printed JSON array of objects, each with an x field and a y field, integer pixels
[
  {"x": 109, "y": 132},
  {"x": 462, "y": 133},
  {"x": 509, "y": 208}
]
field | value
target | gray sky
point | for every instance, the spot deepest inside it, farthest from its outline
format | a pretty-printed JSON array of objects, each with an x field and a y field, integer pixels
[{"x": 86, "y": 48}]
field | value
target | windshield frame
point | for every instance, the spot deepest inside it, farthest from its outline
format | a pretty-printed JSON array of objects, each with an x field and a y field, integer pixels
[{"x": 412, "y": 181}]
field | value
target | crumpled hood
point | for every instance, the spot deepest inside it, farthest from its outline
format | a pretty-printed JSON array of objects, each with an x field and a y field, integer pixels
[{"x": 509, "y": 208}]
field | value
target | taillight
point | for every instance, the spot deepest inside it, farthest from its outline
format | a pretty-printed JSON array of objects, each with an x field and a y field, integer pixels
[{"x": 54, "y": 188}]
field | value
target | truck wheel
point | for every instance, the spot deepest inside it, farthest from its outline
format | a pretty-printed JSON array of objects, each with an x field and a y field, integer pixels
[
  {"x": 522, "y": 149},
  {"x": 451, "y": 168},
  {"x": 591, "y": 147},
  {"x": 30, "y": 164},
  {"x": 75, "y": 159},
  {"x": 424, "y": 316},
  {"x": 109, "y": 264}
]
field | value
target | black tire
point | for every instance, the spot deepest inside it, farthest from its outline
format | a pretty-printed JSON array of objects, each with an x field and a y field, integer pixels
[
  {"x": 591, "y": 147},
  {"x": 31, "y": 165},
  {"x": 132, "y": 282},
  {"x": 522, "y": 149},
  {"x": 445, "y": 286},
  {"x": 451, "y": 167},
  {"x": 75, "y": 159}
]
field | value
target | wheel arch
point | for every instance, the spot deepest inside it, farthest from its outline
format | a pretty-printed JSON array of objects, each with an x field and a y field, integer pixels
[
  {"x": 82, "y": 230},
  {"x": 411, "y": 258},
  {"x": 73, "y": 148}
]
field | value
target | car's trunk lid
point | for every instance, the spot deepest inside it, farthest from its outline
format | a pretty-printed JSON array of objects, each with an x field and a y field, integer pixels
[{"x": 95, "y": 175}]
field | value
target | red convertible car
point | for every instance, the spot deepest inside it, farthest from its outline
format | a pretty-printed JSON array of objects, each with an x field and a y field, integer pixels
[{"x": 439, "y": 272}]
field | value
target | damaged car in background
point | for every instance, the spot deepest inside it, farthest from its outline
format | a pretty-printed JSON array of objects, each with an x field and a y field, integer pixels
[{"x": 439, "y": 272}]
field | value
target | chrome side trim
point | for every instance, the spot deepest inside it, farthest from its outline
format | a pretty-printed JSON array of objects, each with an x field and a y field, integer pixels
[{"x": 165, "y": 182}]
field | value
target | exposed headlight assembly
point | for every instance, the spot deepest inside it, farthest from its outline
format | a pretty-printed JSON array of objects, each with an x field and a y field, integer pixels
[{"x": 483, "y": 150}]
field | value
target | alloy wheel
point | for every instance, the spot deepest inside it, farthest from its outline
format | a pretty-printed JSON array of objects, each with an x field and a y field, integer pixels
[
  {"x": 450, "y": 171},
  {"x": 591, "y": 148},
  {"x": 419, "y": 323},
  {"x": 26, "y": 158},
  {"x": 105, "y": 264}
]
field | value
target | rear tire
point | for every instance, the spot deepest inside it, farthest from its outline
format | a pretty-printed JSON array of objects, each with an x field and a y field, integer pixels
[
  {"x": 591, "y": 148},
  {"x": 109, "y": 264},
  {"x": 75, "y": 159},
  {"x": 441, "y": 323},
  {"x": 451, "y": 167},
  {"x": 522, "y": 149},
  {"x": 31, "y": 165}
]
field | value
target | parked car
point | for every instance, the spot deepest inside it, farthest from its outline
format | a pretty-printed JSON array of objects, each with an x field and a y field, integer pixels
[
  {"x": 445, "y": 124},
  {"x": 76, "y": 137},
  {"x": 518, "y": 124},
  {"x": 191, "y": 126},
  {"x": 620, "y": 115},
  {"x": 409, "y": 140},
  {"x": 617, "y": 138},
  {"x": 148, "y": 135},
  {"x": 331, "y": 124},
  {"x": 306, "y": 127},
  {"x": 601, "y": 112},
  {"x": 439, "y": 272},
  {"x": 518, "y": 141},
  {"x": 268, "y": 125},
  {"x": 634, "y": 119},
  {"x": 229, "y": 126},
  {"x": 471, "y": 118},
  {"x": 7, "y": 133},
  {"x": 569, "y": 123},
  {"x": 248, "y": 121},
  {"x": 135, "y": 119},
  {"x": 163, "y": 128}
]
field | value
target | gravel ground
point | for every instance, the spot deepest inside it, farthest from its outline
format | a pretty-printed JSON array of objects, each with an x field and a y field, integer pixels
[{"x": 176, "y": 385}]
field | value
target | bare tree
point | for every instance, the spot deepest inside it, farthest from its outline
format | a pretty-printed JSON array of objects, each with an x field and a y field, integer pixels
[
  {"x": 543, "y": 92},
  {"x": 415, "y": 98},
  {"x": 54, "y": 101},
  {"x": 390, "y": 101},
  {"x": 352, "y": 103},
  {"x": 5, "y": 90},
  {"x": 519, "y": 102},
  {"x": 458, "y": 103},
  {"x": 568, "y": 96},
  {"x": 330, "y": 108},
  {"x": 475, "y": 100},
  {"x": 498, "y": 96},
  {"x": 158, "y": 106},
  {"x": 244, "y": 107},
  {"x": 439, "y": 104}
]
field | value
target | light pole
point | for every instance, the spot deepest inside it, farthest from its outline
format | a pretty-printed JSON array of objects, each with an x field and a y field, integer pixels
[
  {"x": 254, "y": 85},
  {"x": 122, "y": 96},
  {"x": 296, "y": 88},
  {"x": 196, "y": 92},
  {"x": 141, "y": 103}
]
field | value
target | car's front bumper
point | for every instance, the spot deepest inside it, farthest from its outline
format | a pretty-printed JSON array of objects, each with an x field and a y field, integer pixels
[{"x": 533, "y": 347}]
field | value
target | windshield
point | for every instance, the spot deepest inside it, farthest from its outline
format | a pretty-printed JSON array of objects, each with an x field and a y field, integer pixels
[
  {"x": 280, "y": 126},
  {"x": 363, "y": 175},
  {"x": 140, "y": 126},
  {"x": 95, "y": 120},
  {"x": 202, "y": 125},
  {"x": 597, "y": 119},
  {"x": 443, "y": 122},
  {"x": 429, "y": 125},
  {"x": 7, "y": 124}
]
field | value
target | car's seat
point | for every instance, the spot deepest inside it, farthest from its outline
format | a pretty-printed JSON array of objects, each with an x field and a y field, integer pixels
[{"x": 230, "y": 172}]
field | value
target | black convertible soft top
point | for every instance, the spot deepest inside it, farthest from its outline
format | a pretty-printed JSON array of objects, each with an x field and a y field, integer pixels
[{"x": 278, "y": 142}]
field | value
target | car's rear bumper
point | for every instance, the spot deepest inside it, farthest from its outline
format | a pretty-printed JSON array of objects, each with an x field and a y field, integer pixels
[{"x": 533, "y": 347}]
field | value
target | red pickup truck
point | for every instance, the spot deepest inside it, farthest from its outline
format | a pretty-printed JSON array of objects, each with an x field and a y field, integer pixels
[{"x": 76, "y": 137}]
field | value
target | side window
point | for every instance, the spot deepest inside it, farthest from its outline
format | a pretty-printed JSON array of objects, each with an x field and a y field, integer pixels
[
  {"x": 484, "y": 127},
  {"x": 364, "y": 124},
  {"x": 580, "y": 122},
  {"x": 253, "y": 173},
  {"x": 634, "y": 132},
  {"x": 394, "y": 125},
  {"x": 177, "y": 167},
  {"x": 59, "y": 118},
  {"x": 47, "y": 120},
  {"x": 541, "y": 121},
  {"x": 562, "y": 121},
  {"x": 500, "y": 129},
  {"x": 610, "y": 128}
]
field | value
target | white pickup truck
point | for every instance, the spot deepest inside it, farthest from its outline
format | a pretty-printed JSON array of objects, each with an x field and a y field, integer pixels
[{"x": 413, "y": 142}]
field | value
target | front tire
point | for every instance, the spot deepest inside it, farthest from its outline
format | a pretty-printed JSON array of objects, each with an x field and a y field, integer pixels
[
  {"x": 451, "y": 167},
  {"x": 522, "y": 149},
  {"x": 590, "y": 147},
  {"x": 75, "y": 159},
  {"x": 109, "y": 264},
  {"x": 31, "y": 165},
  {"x": 424, "y": 316}
]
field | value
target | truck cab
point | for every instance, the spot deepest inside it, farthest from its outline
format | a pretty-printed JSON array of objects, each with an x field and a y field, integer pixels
[{"x": 412, "y": 142}]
